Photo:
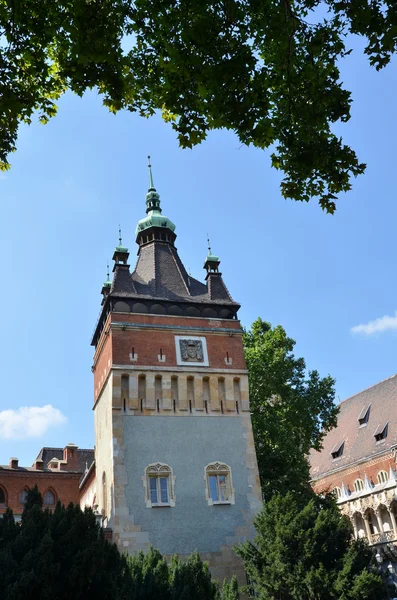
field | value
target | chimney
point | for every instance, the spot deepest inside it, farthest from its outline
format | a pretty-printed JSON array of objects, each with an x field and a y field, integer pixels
[
  {"x": 38, "y": 465},
  {"x": 13, "y": 463},
  {"x": 70, "y": 457}
]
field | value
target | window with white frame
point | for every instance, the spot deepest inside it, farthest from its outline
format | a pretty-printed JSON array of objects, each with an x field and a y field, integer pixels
[
  {"x": 219, "y": 486},
  {"x": 358, "y": 485},
  {"x": 159, "y": 485},
  {"x": 383, "y": 476},
  {"x": 337, "y": 491}
]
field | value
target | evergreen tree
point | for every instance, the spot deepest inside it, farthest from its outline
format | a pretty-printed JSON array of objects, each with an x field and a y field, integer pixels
[
  {"x": 304, "y": 551},
  {"x": 230, "y": 590},
  {"x": 149, "y": 577},
  {"x": 191, "y": 580},
  {"x": 58, "y": 556}
]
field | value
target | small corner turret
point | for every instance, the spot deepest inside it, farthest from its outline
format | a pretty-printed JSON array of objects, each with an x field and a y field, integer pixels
[
  {"x": 121, "y": 254},
  {"x": 212, "y": 262}
]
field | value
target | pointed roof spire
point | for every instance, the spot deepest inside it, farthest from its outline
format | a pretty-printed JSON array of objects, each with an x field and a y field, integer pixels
[
  {"x": 106, "y": 285},
  {"x": 120, "y": 247},
  {"x": 367, "y": 484},
  {"x": 154, "y": 217},
  {"x": 392, "y": 475},
  {"x": 151, "y": 184},
  {"x": 152, "y": 197},
  {"x": 121, "y": 254},
  {"x": 345, "y": 493},
  {"x": 211, "y": 263}
]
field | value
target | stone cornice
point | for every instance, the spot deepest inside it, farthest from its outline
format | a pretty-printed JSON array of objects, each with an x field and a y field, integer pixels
[
  {"x": 180, "y": 328},
  {"x": 179, "y": 369}
]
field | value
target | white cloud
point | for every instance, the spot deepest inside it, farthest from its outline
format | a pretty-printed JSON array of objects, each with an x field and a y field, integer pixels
[
  {"x": 379, "y": 325},
  {"x": 29, "y": 421}
]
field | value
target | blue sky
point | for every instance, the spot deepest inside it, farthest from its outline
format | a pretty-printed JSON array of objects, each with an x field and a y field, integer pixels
[{"x": 74, "y": 180}]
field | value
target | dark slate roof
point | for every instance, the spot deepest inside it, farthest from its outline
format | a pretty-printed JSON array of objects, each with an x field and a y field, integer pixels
[
  {"x": 84, "y": 457},
  {"x": 160, "y": 274},
  {"x": 359, "y": 441}
]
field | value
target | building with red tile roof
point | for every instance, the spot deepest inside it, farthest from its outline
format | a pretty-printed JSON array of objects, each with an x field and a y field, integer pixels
[{"x": 358, "y": 463}]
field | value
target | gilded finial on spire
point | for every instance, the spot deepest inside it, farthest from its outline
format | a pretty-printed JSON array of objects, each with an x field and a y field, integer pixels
[
  {"x": 120, "y": 238},
  {"x": 107, "y": 272},
  {"x": 151, "y": 184}
]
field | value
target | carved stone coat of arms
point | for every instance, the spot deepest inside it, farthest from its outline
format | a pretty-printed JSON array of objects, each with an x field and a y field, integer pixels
[{"x": 191, "y": 350}]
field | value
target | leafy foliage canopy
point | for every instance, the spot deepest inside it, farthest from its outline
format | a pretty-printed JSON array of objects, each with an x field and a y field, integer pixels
[
  {"x": 291, "y": 410},
  {"x": 266, "y": 70}
]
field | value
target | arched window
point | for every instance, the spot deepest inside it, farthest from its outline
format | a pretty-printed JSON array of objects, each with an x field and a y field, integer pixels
[
  {"x": 104, "y": 496},
  {"x": 337, "y": 492},
  {"x": 3, "y": 497},
  {"x": 159, "y": 485},
  {"x": 219, "y": 488},
  {"x": 383, "y": 477},
  {"x": 358, "y": 485},
  {"x": 22, "y": 496},
  {"x": 49, "y": 498}
]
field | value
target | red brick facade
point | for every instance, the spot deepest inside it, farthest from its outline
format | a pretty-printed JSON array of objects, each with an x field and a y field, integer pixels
[
  {"x": 55, "y": 470},
  {"x": 348, "y": 476},
  {"x": 64, "y": 486},
  {"x": 116, "y": 344}
]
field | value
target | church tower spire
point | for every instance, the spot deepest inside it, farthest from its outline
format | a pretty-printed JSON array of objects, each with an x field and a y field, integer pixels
[
  {"x": 154, "y": 226},
  {"x": 152, "y": 197}
]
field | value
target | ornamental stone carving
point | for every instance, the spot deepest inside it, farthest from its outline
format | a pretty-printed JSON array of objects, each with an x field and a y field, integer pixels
[{"x": 191, "y": 350}]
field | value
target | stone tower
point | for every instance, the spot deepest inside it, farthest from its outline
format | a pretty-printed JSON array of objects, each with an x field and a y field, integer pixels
[{"x": 175, "y": 459}]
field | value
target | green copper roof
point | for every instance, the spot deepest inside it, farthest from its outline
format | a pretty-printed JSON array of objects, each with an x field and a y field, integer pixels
[
  {"x": 120, "y": 247},
  {"x": 153, "y": 218},
  {"x": 210, "y": 257}
]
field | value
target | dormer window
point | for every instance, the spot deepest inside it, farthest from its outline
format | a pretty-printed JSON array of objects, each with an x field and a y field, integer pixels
[
  {"x": 337, "y": 450},
  {"x": 364, "y": 415},
  {"x": 381, "y": 432}
]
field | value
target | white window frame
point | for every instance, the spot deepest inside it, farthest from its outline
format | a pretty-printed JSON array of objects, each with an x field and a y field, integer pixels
[
  {"x": 360, "y": 485},
  {"x": 219, "y": 468},
  {"x": 383, "y": 476},
  {"x": 337, "y": 491},
  {"x": 157, "y": 471}
]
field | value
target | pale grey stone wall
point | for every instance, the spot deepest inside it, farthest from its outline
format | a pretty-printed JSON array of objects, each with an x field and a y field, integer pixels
[{"x": 187, "y": 445}]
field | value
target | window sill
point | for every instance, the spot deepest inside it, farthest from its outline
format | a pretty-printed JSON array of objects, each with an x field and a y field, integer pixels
[
  {"x": 160, "y": 504},
  {"x": 221, "y": 503}
]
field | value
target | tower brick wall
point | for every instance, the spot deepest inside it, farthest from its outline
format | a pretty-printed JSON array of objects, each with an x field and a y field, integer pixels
[{"x": 175, "y": 456}]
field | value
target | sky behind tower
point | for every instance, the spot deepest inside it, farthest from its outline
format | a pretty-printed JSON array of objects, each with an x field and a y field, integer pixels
[{"x": 329, "y": 280}]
